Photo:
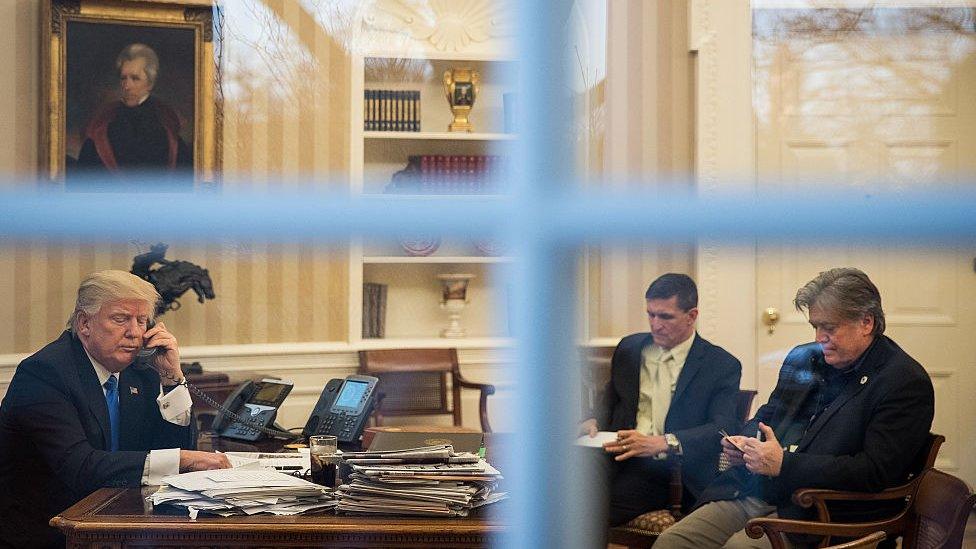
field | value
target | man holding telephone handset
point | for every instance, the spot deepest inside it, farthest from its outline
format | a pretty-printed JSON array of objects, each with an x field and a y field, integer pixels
[{"x": 78, "y": 416}]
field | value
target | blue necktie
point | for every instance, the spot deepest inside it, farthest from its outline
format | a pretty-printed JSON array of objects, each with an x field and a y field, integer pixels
[{"x": 112, "y": 400}]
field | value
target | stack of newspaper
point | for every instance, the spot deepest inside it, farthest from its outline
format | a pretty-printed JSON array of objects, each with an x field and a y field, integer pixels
[
  {"x": 428, "y": 481},
  {"x": 229, "y": 492}
]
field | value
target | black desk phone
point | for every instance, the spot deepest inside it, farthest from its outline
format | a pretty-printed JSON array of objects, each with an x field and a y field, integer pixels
[
  {"x": 343, "y": 408},
  {"x": 255, "y": 401}
]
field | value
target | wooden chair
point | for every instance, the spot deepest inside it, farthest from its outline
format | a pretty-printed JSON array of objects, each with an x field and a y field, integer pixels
[
  {"x": 415, "y": 382},
  {"x": 595, "y": 375},
  {"x": 818, "y": 498},
  {"x": 870, "y": 541},
  {"x": 935, "y": 517},
  {"x": 642, "y": 531}
]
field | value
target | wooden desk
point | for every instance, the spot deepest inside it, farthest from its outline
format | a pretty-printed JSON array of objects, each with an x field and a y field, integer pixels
[{"x": 114, "y": 518}]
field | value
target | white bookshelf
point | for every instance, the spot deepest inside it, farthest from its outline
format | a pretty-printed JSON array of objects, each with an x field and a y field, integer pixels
[
  {"x": 441, "y": 136},
  {"x": 449, "y": 259},
  {"x": 413, "y": 314}
]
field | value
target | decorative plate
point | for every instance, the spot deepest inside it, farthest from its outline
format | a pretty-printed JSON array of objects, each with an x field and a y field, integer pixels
[
  {"x": 420, "y": 245},
  {"x": 489, "y": 247}
]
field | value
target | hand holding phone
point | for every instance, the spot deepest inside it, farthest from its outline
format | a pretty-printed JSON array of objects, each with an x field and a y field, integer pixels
[
  {"x": 733, "y": 447},
  {"x": 737, "y": 444},
  {"x": 159, "y": 343}
]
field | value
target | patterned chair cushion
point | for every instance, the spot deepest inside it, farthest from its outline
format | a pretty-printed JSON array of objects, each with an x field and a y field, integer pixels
[{"x": 652, "y": 522}]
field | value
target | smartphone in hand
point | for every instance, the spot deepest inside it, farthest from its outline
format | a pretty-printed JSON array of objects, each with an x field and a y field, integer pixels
[{"x": 732, "y": 441}]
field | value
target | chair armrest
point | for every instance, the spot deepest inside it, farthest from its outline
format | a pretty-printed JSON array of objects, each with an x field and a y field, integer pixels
[
  {"x": 776, "y": 529},
  {"x": 486, "y": 389},
  {"x": 483, "y": 387},
  {"x": 676, "y": 489},
  {"x": 818, "y": 497}
]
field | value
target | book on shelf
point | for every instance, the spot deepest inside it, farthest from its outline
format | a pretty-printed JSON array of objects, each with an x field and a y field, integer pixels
[
  {"x": 449, "y": 174},
  {"x": 374, "y": 310},
  {"x": 391, "y": 110}
]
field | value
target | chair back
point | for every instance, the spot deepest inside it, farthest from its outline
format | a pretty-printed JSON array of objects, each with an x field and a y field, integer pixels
[
  {"x": 595, "y": 375},
  {"x": 743, "y": 406},
  {"x": 414, "y": 382},
  {"x": 940, "y": 508},
  {"x": 925, "y": 458}
]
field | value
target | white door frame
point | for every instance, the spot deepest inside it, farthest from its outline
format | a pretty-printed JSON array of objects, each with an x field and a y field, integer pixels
[{"x": 725, "y": 161}]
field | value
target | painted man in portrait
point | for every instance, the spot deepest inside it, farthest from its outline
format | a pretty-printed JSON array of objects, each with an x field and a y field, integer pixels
[{"x": 139, "y": 133}]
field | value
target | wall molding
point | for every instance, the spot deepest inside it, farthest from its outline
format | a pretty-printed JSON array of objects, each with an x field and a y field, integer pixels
[{"x": 720, "y": 37}]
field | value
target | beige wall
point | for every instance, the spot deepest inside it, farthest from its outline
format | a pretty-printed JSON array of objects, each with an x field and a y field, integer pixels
[
  {"x": 648, "y": 144},
  {"x": 19, "y": 57},
  {"x": 286, "y": 81},
  {"x": 286, "y": 116}
]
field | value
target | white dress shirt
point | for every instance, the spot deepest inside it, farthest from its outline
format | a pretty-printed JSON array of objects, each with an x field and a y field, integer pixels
[
  {"x": 653, "y": 363},
  {"x": 175, "y": 407}
]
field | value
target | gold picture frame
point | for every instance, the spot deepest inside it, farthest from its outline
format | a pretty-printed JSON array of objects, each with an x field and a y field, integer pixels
[{"x": 81, "y": 40}]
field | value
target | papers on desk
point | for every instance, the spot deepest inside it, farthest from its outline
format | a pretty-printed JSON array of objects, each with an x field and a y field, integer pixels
[
  {"x": 429, "y": 481},
  {"x": 286, "y": 461},
  {"x": 243, "y": 491}
]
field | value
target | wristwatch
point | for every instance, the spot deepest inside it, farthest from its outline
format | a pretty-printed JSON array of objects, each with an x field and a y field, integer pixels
[{"x": 674, "y": 445}]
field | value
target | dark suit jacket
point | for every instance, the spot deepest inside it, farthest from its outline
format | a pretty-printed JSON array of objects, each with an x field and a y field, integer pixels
[
  {"x": 54, "y": 436},
  {"x": 864, "y": 441},
  {"x": 703, "y": 403}
]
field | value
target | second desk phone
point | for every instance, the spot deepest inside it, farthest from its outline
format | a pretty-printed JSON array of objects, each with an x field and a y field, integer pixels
[{"x": 343, "y": 408}]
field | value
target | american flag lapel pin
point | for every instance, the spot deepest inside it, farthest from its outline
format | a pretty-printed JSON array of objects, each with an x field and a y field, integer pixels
[{"x": 133, "y": 390}]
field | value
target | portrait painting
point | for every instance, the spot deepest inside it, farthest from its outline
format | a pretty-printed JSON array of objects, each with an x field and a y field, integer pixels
[
  {"x": 462, "y": 94},
  {"x": 131, "y": 95}
]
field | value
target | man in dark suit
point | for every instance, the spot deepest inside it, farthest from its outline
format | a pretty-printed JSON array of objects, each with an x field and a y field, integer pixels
[
  {"x": 76, "y": 417},
  {"x": 670, "y": 391},
  {"x": 850, "y": 411}
]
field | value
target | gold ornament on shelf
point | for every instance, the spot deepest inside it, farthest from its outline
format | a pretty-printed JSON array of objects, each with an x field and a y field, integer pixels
[{"x": 461, "y": 87}]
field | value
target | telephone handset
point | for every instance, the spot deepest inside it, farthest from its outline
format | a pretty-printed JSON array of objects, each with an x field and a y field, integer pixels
[
  {"x": 259, "y": 401},
  {"x": 343, "y": 408},
  {"x": 146, "y": 357}
]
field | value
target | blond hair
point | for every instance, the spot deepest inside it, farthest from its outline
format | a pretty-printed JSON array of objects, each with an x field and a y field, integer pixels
[{"x": 101, "y": 287}]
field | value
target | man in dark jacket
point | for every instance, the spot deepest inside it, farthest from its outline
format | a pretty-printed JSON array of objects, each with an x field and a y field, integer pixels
[
  {"x": 850, "y": 411},
  {"x": 138, "y": 133},
  {"x": 670, "y": 391},
  {"x": 77, "y": 417}
]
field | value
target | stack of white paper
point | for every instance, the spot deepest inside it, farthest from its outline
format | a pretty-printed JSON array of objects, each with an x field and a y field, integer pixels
[
  {"x": 240, "y": 491},
  {"x": 431, "y": 481},
  {"x": 286, "y": 462}
]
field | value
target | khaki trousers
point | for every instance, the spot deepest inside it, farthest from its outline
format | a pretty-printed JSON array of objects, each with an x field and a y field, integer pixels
[{"x": 718, "y": 524}]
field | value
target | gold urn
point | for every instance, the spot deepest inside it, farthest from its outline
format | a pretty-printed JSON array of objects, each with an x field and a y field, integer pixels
[{"x": 461, "y": 88}]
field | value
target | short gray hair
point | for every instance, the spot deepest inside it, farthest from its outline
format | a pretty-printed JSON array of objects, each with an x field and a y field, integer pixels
[
  {"x": 140, "y": 51},
  {"x": 101, "y": 287},
  {"x": 845, "y": 291}
]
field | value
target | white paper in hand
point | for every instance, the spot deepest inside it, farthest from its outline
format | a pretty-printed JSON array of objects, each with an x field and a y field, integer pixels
[{"x": 597, "y": 441}]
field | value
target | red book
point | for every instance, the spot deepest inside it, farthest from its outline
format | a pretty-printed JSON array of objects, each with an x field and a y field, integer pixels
[
  {"x": 481, "y": 174},
  {"x": 426, "y": 172},
  {"x": 455, "y": 174},
  {"x": 442, "y": 172}
]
